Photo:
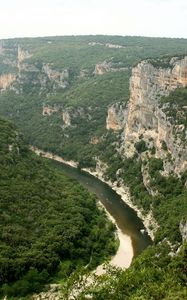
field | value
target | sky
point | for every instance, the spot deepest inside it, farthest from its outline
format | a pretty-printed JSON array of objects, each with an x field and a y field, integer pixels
[{"x": 31, "y": 18}]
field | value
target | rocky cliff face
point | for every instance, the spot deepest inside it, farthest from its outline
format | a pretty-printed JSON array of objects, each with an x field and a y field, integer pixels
[
  {"x": 42, "y": 75},
  {"x": 22, "y": 54},
  {"x": 49, "y": 110},
  {"x": 145, "y": 120},
  {"x": 68, "y": 115},
  {"x": 6, "y": 80},
  {"x": 147, "y": 85},
  {"x": 59, "y": 78},
  {"x": 66, "y": 118},
  {"x": 103, "y": 67},
  {"x": 116, "y": 117},
  {"x": 108, "y": 66}
]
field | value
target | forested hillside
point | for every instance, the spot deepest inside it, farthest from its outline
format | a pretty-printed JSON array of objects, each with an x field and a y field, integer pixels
[
  {"x": 153, "y": 275},
  {"x": 113, "y": 104},
  {"x": 64, "y": 86},
  {"x": 47, "y": 221}
]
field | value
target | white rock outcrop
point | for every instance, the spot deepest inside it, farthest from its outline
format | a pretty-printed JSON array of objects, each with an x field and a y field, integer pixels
[{"x": 145, "y": 119}]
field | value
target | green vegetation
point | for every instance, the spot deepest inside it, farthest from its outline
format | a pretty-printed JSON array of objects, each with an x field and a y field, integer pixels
[
  {"x": 141, "y": 146},
  {"x": 169, "y": 203},
  {"x": 4, "y": 68},
  {"x": 164, "y": 146},
  {"x": 87, "y": 98},
  {"x": 46, "y": 219},
  {"x": 153, "y": 275},
  {"x": 132, "y": 176},
  {"x": 76, "y": 52},
  {"x": 155, "y": 165},
  {"x": 50, "y": 225},
  {"x": 87, "y": 103},
  {"x": 169, "y": 211},
  {"x": 175, "y": 106}
]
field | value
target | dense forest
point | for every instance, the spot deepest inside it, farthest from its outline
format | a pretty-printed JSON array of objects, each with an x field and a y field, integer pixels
[{"x": 47, "y": 220}]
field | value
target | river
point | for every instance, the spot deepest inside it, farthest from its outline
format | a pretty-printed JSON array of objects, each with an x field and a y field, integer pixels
[
  {"x": 131, "y": 232},
  {"x": 125, "y": 217}
]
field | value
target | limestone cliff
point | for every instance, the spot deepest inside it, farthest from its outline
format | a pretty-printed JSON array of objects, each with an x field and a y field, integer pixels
[
  {"x": 49, "y": 110},
  {"x": 22, "y": 54},
  {"x": 6, "y": 80},
  {"x": 59, "y": 78},
  {"x": 108, "y": 66},
  {"x": 102, "y": 68},
  {"x": 116, "y": 116},
  {"x": 66, "y": 118},
  {"x": 147, "y": 85},
  {"x": 146, "y": 119}
]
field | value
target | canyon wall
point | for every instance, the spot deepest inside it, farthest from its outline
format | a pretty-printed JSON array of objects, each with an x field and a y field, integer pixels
[{"x": 145, "y": 118}]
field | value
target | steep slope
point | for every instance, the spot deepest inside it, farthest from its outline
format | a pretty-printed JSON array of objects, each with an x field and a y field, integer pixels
[
  {"x": 146, "y": 119},
  {"x": 151, "y": 135},
  {"x": 48, "y": 223},
  {"x": 156, "y": 114},
  {"x": 145, "y": 148}
]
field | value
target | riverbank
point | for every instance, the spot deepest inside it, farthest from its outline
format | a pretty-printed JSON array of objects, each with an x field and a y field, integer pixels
[
  {"x": 50, "y": 155},
  {"x": 148, "y": 220},
  {"x": 124, "y": 255}
]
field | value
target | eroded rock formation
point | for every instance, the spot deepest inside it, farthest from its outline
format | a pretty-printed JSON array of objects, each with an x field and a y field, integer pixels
[
  {"x": 60, "y": 78},
  {"x": 49, "y": 110},
  {"x": 102, "y": 68},
  {"x": 147, "y": 85},
  {"x": 66, "y": 118},
  {"x": 6, "y": 80},
  {"x": 116, "y": 117},
  {"x": 108, "y": 66},
  {"x": 146, "y": 119}
]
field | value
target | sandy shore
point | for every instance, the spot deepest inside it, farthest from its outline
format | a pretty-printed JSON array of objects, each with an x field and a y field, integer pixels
[{"x": 124, "y": 255}]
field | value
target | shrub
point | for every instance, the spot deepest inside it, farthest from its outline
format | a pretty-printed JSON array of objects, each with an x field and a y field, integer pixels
[{"x": 141, "y": 146}]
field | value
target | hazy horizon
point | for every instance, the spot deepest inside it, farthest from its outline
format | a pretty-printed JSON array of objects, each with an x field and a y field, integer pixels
[
  {"x": 84, "y": 35},
  {"x": 147, "y": 18}
]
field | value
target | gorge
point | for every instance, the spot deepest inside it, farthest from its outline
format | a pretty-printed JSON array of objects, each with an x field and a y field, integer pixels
[{"x": 117, "y": 107}]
